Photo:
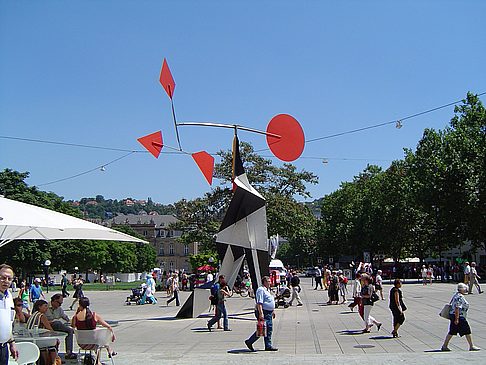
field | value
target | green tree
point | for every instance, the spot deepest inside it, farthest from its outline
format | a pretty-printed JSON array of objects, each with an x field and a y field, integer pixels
[{"x": 201, "y": 217}]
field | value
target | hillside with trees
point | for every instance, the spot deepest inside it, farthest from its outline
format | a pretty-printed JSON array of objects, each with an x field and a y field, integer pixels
[{"x": 101, "y": 208}]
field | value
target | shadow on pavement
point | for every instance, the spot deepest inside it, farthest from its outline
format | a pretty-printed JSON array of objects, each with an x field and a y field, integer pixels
[
  {"x": 200, "y": 329},
  {"x": 241, "y": 351},
  {"x": 381, "y": 338},
  {"x": 351, "y": 332},
  {"x": 149, "y": 319},
  {"x": 363, "y": 346}
]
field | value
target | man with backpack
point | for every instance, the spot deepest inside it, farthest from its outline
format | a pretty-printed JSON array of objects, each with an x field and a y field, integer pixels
[{"x": 219, "y": 290}]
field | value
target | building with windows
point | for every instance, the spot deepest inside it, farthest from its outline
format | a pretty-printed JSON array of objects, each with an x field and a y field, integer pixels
[{"x": 171, "y": 254}]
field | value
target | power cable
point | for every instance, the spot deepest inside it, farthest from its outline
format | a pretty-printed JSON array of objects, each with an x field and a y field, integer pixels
[
  {"x": 398, "y": 122},
  {"x": 88, "y": 171},
  {"x": 386, "y": 123}
]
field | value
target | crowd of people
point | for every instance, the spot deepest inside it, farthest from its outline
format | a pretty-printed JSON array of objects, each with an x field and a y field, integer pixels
[{"x": 367, "y": 289}]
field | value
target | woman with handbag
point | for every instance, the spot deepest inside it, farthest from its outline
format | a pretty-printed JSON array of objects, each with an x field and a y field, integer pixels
[
  {"x": 367, "y": 292},
  {"x": 397, "y": 306},
  {"x": 457, "y": 316}
]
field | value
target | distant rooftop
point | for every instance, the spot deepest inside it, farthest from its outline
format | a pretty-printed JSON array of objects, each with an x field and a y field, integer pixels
[{"x": 158, "y": 220}]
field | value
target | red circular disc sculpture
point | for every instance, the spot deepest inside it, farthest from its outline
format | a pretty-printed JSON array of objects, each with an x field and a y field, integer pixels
[{"x": 291, "y": 143}]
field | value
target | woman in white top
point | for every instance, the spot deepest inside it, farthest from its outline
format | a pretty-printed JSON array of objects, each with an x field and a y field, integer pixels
[{"x": 379, "y": 284}]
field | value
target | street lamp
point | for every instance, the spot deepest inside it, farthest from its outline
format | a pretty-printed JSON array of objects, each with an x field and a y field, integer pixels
[{"x": 47, "y": 263}]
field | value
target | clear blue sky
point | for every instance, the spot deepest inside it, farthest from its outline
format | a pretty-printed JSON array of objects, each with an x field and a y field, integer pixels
[{"x": 87, "y": 72}]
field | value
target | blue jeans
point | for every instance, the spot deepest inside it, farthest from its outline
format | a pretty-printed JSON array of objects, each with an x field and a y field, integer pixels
[
  {"x": 3, "y": 354},
  {"x": 268, "y": 316},
  {"x": 220, "y": 312}
]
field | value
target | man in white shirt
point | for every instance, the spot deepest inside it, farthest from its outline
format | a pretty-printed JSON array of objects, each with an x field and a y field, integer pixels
[
  {"x": 265, "y": 306},
  {"x": 467, "y": 271},
  {"x": 7, "y": 314},
  {"x": 318, "y": 277}
]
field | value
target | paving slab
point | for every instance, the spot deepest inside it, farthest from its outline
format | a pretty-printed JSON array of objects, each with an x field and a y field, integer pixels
[{"x": 315, "y": 333}]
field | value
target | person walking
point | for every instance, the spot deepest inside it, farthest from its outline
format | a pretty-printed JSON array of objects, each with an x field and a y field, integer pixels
[
  {"x": 265, "y": 311},
  {"x": 326, "y": 275},
  {"x": 458, "y": 322},
  {"x": 36, "y": 291},
  {"x": 7, "y": 342},
  {"x": 318, "y": 277},
  {"x": 467, "y": 271},
  {"x": 148, "y": 294},
  {"x": 356, "y": 292},
  {"x": 343, "y": 282},
  {"x": 174, "y": 289},
  {"x": 78, "y": 290},
  {"x": 333, "y": 289},
  {"x": 24, "y": 294},
  {"x": 397, "y": 306},
  {"x": 423, "y": 272},
  {"x": 379, "y": 284},
  {"x": 295, "y": 284},
  {"x": 222, "y": 291},
  {"x": 64, "y": 283},
  {"x": 473, "y": 279},
  {"x": 366, "y": 293}
]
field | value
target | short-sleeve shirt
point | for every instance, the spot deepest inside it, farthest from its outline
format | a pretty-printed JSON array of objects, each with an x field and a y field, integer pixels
[
  {"x": 35, "y": 291},
  {"x": 459, "y": 301},
  {"x": 265, "y": 298},
  {"x": 6, "y": 316},
  {"x": 378, "y": 280}
]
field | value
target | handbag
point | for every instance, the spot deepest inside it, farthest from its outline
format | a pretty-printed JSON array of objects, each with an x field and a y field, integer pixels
[
  {"x": 444, "y": 313},
  {"x": 261, "y": 328}
]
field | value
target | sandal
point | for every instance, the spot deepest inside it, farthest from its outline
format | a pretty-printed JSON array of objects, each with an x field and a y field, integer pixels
[{"x": 112, "y": 354}]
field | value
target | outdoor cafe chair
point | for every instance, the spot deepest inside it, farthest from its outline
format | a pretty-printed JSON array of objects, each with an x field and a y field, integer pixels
[
  {"x": 94, "y": 341},
  {"x": 28, "y": 354}
]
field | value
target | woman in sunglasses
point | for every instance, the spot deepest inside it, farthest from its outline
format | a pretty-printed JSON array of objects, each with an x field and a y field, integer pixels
[{"x": 20, "y": 315}]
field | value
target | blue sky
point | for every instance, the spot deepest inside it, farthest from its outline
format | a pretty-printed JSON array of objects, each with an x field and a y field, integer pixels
[{"x": 86, "y": 72}]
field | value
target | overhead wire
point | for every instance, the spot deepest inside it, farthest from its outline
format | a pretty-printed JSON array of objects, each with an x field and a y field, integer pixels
[
  {"x": 130, "y": 152},
  {"x": 88, "y": 171},
  {"x": 389, "y": 122}
]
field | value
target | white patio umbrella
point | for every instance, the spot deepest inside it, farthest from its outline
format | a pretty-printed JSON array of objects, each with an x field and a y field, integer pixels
[{"x": 20, "y": 221}]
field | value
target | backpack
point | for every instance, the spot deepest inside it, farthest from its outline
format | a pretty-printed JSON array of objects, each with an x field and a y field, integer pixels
[{"x": 213, "y": 298}]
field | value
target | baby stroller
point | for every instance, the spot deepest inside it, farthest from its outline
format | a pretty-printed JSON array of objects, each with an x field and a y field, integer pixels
[
  {"x": 282, "y": 293},
  {"x": 136, "y": 296}
]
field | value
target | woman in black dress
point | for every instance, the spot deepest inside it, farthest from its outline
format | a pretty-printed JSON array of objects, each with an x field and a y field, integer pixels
[
  {"x": 78, "y": 290},
  {"x": 397, "y": 306}
]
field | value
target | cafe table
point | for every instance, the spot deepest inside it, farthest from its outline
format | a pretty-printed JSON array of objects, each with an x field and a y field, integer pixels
[{"x": 41, "y": 337}]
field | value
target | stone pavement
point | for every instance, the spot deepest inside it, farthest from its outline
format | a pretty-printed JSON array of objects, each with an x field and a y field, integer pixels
[{"x": 315, "y": 333}]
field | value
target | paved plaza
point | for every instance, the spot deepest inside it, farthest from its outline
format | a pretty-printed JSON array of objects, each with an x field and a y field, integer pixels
[{"x": 315, "y": 333}]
